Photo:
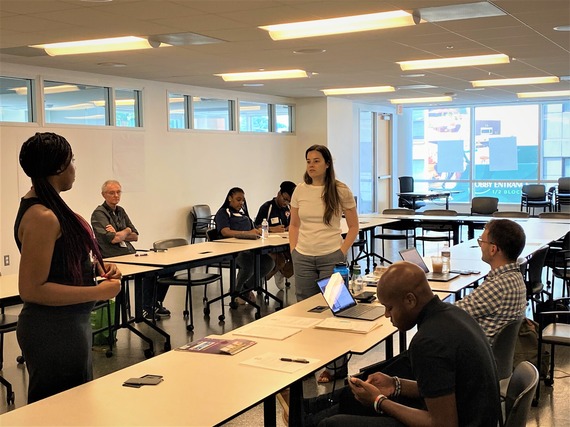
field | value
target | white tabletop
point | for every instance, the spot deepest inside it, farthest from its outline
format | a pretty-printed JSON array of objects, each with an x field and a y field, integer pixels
[{"x": 198, "y": 389}]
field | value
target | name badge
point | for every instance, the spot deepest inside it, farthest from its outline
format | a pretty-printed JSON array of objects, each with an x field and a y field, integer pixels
[{"x": 274, "y": 221}]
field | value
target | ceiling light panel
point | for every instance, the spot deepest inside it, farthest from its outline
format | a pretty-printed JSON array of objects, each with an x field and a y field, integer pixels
[
  {"x": 342, "y": 25},
  {"x": 517, "y": 81},
  {"x": 458, "y": 11},
  {"x": 461, "y": 61},
  {"x": 263, "y": 75},
  {"x": 428, "y": 99},
  {"x": 358, "y": 90},
  {"x": 545, "y": 94},
  {"x": 115, "y": 44}
]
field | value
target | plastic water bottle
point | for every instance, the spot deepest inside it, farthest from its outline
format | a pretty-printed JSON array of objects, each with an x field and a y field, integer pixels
[
  {"x": 341, "y": 268},
  {"x": 264, "y": 229},
  {"x": 357, "y": 282},
  {"x": 446, "y": 259}
]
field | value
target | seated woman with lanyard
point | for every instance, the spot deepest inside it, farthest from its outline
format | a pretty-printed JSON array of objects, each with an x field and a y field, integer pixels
[{"x": 232, "y": 220}]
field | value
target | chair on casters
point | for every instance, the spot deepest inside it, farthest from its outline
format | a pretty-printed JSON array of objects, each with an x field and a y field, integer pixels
[
  {"x": 483, "y": 206},
  {"x": 188, "y": 279},
  {"x": 533, "y": 278},
  {"x": 534, "y": 196},
  {"x": 202, "y": 221},
  {"x": 553, "y": 329},
  {"x": 562, "y": 197},
  {"x": 407, "y": 186},
  {"x": 520, "y": 392},
  {"x": 397, "y": 230},
  {"x": 437, "y": 231},
  {"x": 503, "y": 347}
]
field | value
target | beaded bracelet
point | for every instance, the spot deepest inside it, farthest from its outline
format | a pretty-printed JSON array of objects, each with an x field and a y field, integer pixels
[
  {"x": 397, "y": 387},
  {"x": 378, "y": 402}
]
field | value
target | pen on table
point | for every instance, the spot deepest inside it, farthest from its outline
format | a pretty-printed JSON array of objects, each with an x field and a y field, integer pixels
[
  {"x": 288, "y": 359},
  {"x": 143, "y": 254}
]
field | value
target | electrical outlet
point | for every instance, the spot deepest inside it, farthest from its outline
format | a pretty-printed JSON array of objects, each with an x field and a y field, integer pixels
[{"x": 6, "y": 260}]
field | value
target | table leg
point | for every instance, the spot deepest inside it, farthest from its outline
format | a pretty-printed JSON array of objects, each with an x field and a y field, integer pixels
[{"x": 269, "y": 411}]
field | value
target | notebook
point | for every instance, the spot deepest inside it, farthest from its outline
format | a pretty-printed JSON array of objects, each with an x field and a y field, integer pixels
[
  {"x": 412, "y": 255},
  {"x": 248, "y": 236},
  {"x": 342, "y": 303}
]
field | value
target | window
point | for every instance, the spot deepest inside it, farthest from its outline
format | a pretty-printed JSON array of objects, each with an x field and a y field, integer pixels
[
  {"x": 177, "y": 111},
  {"x": 212, "y": 114},
  {"x": 16, "y": 100},
  {"x": 253, "y": 117},
  {"x": 127, "y": 108},
  {"x": 283, "y": 118},
  {"x": 66, "y": 103},
  {"x": 490, "y": 150}
]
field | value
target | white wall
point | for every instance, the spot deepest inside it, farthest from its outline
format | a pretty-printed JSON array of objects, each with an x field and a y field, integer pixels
[{"x": 181, "y": 168}]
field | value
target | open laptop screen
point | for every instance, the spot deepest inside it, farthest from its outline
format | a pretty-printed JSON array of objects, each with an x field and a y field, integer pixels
[
  {"x": 336, "y": 294},
  {"x": 412, "y": 255}
]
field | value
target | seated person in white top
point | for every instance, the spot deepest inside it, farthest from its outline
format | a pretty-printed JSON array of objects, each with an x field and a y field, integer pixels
[{"x": 278, "y": 215}]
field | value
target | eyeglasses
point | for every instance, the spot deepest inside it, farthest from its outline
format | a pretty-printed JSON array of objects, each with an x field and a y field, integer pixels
[
  {"x": 113, "y": 193},
  {"x": 479, "y": 241}
]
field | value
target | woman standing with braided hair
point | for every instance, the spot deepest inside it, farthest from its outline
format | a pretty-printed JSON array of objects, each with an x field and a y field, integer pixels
[{"x": 59, "y": 263}]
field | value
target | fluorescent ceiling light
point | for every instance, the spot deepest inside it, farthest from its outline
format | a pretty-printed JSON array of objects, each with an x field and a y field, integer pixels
[
  {"x": 97, "y": 46},
  {"x": 517, "y": 81},
  {"x": 420, "y": 100},
  {"x": 118, "y": 102},
  {"x": 458, "y": 11},
  {"x": 357, "y": 90},
  {"x": 250, "y": 108},
  {"x": 460, "y": 61},
  {"x": 415, "y": 87},
  {"x": 48, "y": 90},
  {"x": 549, "y": 94},
  {"x": 342, "y": 25},
  {"x": 263, "y": 75}
]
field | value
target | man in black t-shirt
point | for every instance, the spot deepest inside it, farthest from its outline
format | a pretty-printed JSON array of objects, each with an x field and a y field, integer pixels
[{"x": 455, "y": 379}]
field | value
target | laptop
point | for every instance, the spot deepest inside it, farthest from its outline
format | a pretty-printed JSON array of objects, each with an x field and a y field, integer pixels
[
  {"x": 343, "y": 304},
  {"x": 412, "y": 255}
]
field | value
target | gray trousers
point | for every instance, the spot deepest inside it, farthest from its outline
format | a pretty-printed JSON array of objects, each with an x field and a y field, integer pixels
[{"x": 308, "y": 269}]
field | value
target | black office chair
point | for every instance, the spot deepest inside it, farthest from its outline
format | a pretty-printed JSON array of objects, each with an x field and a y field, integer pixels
[
  {"x": 436, "y": 231},
  {"x": 534, "y": 196},
  {"x": 557, "y": 265},
  {"x": 483, "y": 206},
  {"x": 202, "y": 221},
  {"x": 503, "y": 347},
  {"x": 188, "y": 279},
  {"x": 562, "y": 197},
  {"x": 532, "y": 274},
  {"x": 554, "y": 329},
  {"x": 520, "y": 392},
  {"x": 402, "y": 230},
  {"x": 407, "y": 186}
]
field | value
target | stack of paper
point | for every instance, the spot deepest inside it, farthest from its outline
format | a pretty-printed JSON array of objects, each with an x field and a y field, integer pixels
[{"x": 354, "y": 326}]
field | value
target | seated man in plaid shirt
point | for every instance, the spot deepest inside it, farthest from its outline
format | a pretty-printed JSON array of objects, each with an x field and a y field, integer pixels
[{"x": 502, "y": 296}]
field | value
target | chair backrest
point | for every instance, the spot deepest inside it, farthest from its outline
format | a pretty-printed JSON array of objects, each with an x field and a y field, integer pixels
[
  {"x": 534, "y": 191},
  {"x": 440, "y": 212},
  {"x": 511, "y": 214},
  {"x": 559, "y": 215},
  {"x": 564, "y": 185},
  {"x": 406, "y": 184},
  {"x": 535, "y": 266},
  {"x": 399, "y": 211},
  {"x": 213, "y": 234},
  {"x": 202, "y": 221},
  {"x": 169, "y": 243},
  {"x": 484, "y": 205},
  {"x": 520, "y": 393},
  {"x": 503, "y": 347}
]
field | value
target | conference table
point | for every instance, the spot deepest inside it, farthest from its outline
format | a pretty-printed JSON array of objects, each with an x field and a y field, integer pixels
[
  {"x": 205, "y": 389},
  {"x": 428, "y": 195}
]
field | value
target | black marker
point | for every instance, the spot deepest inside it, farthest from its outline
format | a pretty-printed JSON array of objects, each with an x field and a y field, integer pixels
[{"x": 287, "y": 359}]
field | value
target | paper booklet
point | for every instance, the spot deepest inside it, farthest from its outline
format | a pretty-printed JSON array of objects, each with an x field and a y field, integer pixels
[
  {"x": 345, "y": 325},
  {"x": 217, "y": 346}
]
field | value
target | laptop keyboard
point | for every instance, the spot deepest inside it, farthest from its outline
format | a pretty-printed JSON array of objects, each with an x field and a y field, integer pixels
[{"x": 359, "y": 309}]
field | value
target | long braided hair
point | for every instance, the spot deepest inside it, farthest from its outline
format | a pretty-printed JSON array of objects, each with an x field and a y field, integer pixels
[
  {"x": 330, "y": 191},
  {"x": 47, "y": 154}
]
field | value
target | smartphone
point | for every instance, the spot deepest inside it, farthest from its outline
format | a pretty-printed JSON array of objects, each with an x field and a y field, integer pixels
[
  {"x": 144, "y": 380},
  {"x": 365, "y": 296},
  {"x": 318, "y": 309}
]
